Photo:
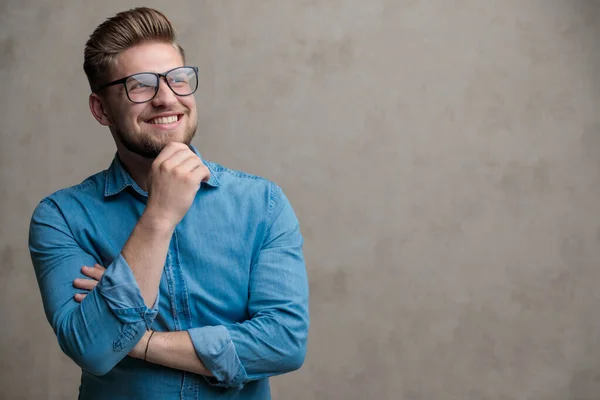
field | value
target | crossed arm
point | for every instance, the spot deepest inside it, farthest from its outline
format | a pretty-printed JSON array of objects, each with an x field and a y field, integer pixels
[
  {"x": 169, "y": 349},
  {"x": 112, "y": 321}
]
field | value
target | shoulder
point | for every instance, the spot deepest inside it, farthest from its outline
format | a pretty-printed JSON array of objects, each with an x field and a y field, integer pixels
[
  {"x": 90, "y": 189},
  {"x": 228, "y": 177},
  {"x": 224, "y": 173},
  {"x": 57, "y": 211},
  {"x": 246, "y": 186}
]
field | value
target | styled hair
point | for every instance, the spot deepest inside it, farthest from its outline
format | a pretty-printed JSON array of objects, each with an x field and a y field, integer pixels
[{"x": 117, "y": 34}]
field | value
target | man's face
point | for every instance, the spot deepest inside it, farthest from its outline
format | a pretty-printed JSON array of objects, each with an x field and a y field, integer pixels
[{"x": 146, "y": 128}]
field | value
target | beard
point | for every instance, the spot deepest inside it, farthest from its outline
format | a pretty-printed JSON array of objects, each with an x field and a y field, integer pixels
[{"x": 144, "y": 145}]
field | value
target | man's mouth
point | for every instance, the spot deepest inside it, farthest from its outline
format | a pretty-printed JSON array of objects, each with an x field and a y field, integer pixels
[{"x": 165, "y": 120}]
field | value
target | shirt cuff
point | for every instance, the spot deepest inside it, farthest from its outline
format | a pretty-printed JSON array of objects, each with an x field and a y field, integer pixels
[
  {"x": 217, "y": 352},
  {"x": 123, "y": 296}
]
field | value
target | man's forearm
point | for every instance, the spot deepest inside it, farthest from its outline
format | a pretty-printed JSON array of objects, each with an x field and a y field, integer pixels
[
  {"x": 171, "y": 349},
  {"x": 145, "y": 252},
  {"x": 172, "y": 182}
]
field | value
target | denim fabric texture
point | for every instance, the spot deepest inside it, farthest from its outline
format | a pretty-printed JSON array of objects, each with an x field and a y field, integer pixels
[{"x": 234, "y": 279}]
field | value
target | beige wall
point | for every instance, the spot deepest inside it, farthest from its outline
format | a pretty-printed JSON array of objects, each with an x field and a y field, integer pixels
[{"x": 443, "y": 158}]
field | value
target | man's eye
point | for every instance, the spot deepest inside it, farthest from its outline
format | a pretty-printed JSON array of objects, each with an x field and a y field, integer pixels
[
  {"x": 179, "y": 79},
  {"x": 140, "y": 85}
]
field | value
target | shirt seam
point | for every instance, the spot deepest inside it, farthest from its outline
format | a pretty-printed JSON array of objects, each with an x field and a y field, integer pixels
[
  {"x": 52, "y": 203},
  {"x": 235, "y": 173}
]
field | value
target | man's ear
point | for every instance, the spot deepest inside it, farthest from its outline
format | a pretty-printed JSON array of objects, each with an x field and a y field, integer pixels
[{"x": 98, "y": 110}]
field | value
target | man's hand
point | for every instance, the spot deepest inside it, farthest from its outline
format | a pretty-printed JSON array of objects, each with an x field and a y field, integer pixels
[
  {"x": 174, "y": 179},
  {"x": 95, "y": 273}
]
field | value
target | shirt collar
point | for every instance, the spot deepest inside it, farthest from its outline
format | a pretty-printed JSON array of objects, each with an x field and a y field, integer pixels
[{"x": 117, "y": 178}]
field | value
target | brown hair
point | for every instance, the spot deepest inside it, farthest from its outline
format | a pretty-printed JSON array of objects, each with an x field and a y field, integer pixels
[{"x": 117, "y": 34}]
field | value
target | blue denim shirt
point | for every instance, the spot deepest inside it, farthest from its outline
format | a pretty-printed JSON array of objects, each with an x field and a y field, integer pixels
[{"x": 234, "y": 279}]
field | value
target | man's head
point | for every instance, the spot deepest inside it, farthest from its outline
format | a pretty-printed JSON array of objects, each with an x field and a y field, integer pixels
[{"x": 141, "y": 40}]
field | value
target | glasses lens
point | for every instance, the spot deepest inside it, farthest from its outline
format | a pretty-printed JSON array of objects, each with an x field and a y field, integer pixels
[
  {"x": 183, "y": 81},
  {"x": 141, "y": 87}
]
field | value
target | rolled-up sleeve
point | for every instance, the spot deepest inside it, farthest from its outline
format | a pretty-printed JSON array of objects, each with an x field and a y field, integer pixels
[
  {"x": 101, "y": 330},
  {"x": 123, "y": 296},
  {"x": 273, "y": 341}
]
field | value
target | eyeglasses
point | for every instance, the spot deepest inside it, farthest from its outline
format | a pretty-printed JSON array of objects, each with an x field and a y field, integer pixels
[{"x": 143, "y": 87}]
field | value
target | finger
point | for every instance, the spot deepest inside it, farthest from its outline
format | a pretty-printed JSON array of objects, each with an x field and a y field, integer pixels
[
  {"x": 189, "y": 164},
  {"x": 177, "y": 159},
  {"x": 168, "y": 151},
  {"x": 95, "y": 273},
  {"x": 86, "y": 284},
  {"x": 79, "y": 297},
  {"x": 206, "y": 177},
  {"x": 100, "y": 267},
  {"x": 201, "y": 174}
]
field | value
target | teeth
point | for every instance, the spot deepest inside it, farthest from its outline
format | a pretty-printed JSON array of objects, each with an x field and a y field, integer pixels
[{"x": 164, "y": 120}]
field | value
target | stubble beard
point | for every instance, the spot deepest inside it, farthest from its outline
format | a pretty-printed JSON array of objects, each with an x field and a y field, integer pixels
[{"x": 145, "y": 146}]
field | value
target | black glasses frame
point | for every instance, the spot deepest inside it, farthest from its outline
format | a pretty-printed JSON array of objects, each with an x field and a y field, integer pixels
[{"x": 158, "y": 76}]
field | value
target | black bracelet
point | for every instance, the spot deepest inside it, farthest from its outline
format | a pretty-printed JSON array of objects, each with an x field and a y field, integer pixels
[{"x": 148, "y": 344}]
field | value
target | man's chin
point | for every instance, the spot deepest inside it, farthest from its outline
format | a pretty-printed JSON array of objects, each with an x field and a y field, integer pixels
[
  {"x": 147, "y": 152},
  {"x": 164, "y": 137},
  {"x": 151, "y": 143}
]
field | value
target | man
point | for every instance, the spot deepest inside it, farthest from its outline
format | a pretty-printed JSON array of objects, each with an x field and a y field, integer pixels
[{"x": 167, "y": 276}]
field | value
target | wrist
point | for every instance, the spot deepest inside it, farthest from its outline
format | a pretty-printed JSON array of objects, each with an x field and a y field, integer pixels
[
  {"x": 155, "y": 224},
  {"x": 139, "y": 351},
  {"x": 147, "y": 346}
]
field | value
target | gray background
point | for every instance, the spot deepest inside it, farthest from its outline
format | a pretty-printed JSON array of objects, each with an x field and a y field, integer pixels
[{"x": 442, "y": 156}]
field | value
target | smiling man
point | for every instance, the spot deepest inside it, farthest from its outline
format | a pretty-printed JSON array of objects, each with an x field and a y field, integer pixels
[{"x": 167, "y": 276}]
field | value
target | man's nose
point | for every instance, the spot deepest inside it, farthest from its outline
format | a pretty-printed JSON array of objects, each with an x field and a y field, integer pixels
[{"x": 165, "y": 95}]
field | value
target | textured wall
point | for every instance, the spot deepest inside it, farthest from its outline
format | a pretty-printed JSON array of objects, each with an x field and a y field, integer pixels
[{"x": 443, "y": 157}]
